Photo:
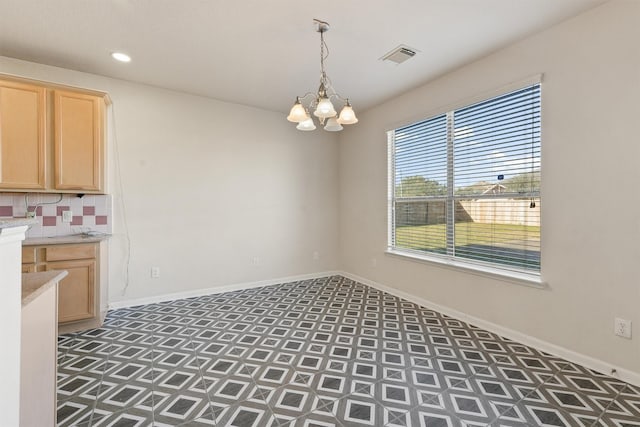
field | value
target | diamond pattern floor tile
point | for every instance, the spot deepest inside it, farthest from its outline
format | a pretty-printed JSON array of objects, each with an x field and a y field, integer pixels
[{"x": 326, "y": 352}]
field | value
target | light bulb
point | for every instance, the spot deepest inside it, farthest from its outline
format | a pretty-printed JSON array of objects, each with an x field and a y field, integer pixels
[
  {"x": 297, "y": 113},
  {"x": 347, "y": 115},
  {"x": 325, "y": 108},
  {"x": 333, "y": 125},
  {"x": 306, "y": 125}
]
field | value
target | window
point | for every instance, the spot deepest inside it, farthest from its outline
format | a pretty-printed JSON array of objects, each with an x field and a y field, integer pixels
[{"x": 464, "y": 186}]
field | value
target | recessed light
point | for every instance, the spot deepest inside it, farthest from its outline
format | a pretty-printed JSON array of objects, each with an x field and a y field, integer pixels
[{"x": 122, "y": 57}]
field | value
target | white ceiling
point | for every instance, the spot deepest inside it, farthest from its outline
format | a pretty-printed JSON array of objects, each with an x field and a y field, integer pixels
[{"x": 263, "y": 53}]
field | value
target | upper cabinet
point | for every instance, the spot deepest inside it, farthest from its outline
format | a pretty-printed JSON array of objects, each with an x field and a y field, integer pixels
[
  {"x": 22, "y": 136},
  {"x": 52, "y": 139},
  {"x": 78, "y": 154}
]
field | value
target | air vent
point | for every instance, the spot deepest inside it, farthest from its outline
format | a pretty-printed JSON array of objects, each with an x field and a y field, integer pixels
[{"x": 399, "y": 54}]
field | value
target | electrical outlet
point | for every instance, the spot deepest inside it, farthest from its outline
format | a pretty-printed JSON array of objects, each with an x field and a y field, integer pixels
[
  {"x": 67, "y": 216},
  {"x": 374, "y": 262},
  {"x": 622, "y": 328},
  {"x": 155, "y": 272},
  {"x": 316, "y": 256},
  {"x": 255, "y": 260}
]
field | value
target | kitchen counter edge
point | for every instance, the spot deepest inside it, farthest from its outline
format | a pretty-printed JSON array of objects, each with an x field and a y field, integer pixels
[
  {"x": 16, "y": 222},
  {"x": 34, "y": 284},
  {"x": 61, "y": 240}
]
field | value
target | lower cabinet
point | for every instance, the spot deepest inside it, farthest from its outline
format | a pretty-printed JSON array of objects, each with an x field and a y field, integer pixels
[
  {"x": 28, "y": 268},
  {"x": 79, "y": 294}
]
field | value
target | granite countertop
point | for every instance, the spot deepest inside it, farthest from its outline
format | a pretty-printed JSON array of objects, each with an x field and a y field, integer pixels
[
  {"x": 60, "y": 240},
  {"x": 8, "y": 222},
  {"x": 34, "y": 284}
]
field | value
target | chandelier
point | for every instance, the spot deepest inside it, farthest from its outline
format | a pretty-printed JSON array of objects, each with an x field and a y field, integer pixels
[{"x": 321, "y": 101}]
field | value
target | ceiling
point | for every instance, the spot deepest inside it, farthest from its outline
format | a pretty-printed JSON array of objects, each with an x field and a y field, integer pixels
[{"x": 264, "y": 53}]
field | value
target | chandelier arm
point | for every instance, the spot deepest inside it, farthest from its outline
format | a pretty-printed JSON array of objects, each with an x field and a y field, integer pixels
[
  {"x": 313, "y": 102},
  {"x": 337, "y": 96},
  {"x": 307, "y": 95},
  {"x": 328, "y": 84}
]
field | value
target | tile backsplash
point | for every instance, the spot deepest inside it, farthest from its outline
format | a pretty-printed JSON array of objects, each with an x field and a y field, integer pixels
[{"x": 89, "y": 213}]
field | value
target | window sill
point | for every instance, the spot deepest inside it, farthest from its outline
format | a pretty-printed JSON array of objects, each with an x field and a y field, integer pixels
[{"x": 531, "y": 280}]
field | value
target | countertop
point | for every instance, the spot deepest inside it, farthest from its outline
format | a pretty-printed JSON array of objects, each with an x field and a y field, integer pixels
[
  {"x": 34, "y": 284},
  {"x": 7, "y": 222},
  {"x": 60, "y": 240}
]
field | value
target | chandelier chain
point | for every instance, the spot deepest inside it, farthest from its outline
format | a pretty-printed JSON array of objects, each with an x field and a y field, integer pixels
[{"x": 324, "y": 54}]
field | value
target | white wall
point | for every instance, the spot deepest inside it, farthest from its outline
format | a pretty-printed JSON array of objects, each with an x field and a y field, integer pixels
[
  {"x": 590, "y": 180},
  {"x": 207, "y": 186}
]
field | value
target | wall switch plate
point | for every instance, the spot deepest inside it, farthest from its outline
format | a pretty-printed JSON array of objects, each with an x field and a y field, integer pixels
[
  {"x": 316, "y": 256},
  {"x": 622, "y": 328},
  {"x": 67, "y": 216},
  {"x": 155, "y": 272}
]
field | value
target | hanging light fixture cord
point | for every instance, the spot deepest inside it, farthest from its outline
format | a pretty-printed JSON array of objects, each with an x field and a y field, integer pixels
[{"x": 323, "y": 48}]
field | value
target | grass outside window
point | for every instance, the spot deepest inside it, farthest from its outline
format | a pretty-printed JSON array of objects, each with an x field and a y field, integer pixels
[{"x": 500, "y": 243}]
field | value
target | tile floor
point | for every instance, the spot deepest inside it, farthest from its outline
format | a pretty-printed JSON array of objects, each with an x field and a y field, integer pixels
[{"x": 322, "y": 352}]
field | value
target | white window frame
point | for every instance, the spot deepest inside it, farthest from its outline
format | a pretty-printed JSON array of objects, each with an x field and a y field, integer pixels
[{"x": 449, "y": 261}]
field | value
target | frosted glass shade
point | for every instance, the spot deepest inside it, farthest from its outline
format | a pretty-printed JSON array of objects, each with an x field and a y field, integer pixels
[
  {"x": 306, "y": 125},
  {"x": 325, "y": 108},
  {"x": 333, "y": 125},
  {"x": 297, "y": 113},
  {"x": 347, "y": 116}
]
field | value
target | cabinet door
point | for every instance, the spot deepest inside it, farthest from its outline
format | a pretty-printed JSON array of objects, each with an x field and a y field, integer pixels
[
  {"x": 76, "y": 292},
  {"x": 22, "y": 136},
  {"x": 28, "y": 254},
  {"x": 79, "y": 141},
  {"x": 28, "y": 268}
]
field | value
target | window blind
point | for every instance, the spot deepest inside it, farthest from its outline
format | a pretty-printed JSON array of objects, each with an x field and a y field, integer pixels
[{"x": 466, "y": 184}]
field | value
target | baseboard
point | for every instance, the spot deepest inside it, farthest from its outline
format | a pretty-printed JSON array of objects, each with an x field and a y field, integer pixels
[
  {"x": 570, "y": 355},
  {"x": 216, "y": 290}
]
